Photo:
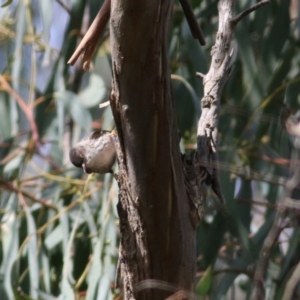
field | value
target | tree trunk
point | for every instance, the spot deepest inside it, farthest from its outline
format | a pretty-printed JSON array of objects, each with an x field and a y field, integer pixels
[{"x": 157, "y": 235}]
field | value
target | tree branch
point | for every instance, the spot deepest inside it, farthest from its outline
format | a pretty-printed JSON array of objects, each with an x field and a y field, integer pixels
[
  {"x": 213, "y": 81},
  {"x": 8, "y": 186},
  {"x": 89, "y": 42},
  {"x": 25, "y": 108},
  {"x": 292, "y": 283},
  {"x": 275, "y": 230},
  {"x": 192, "y": 21},
  {"x": 64, "y": 6},
  {"x": 246, "y": 12}
]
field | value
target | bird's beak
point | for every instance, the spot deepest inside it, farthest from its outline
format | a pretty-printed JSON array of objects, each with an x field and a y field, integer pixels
[{"x": 83, "y": 167}]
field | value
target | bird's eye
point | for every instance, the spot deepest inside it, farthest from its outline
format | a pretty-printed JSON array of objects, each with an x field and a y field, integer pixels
[
  {"x": 75, "y": 158},
  {"x": 96, "y": 134}
]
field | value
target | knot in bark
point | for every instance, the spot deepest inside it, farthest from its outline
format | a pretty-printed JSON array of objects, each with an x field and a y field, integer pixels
[
  {"x": 209, "y": 126},
  {"x": 207, "y": 101}
]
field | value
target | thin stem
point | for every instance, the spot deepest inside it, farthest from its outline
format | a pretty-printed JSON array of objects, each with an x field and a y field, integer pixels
[
  {"x": 90, "y": 39},
  {"x": 246, "y": 12}
]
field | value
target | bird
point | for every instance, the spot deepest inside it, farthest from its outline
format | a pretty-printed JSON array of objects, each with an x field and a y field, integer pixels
[{"x": 95, "y": 153}]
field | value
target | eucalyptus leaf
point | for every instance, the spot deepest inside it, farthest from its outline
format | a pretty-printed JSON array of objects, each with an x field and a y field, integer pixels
[
  {"x": 14, "y": 163},
  {"x": 54, "y": 238},
  {"x": 46, "y": 11},
  {"x": 75, "y": 108},
  {"x": 32, "y": 254},
  {"x": 204, "y": 284},
  {"x": 9, "y": 242},
  {"x": 94, "y": 93},
  {"x": 7, "y": 3}
]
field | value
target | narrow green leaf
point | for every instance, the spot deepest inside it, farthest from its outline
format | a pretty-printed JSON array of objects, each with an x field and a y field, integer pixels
[
  {"x": 10, "y": 243},
  {"x": 46, "y": 13},
  {"x": 96, "y": 269},
  {"x": 17, "y": 65},
  {"x": 228, "y": 278},
  {"x": 7, "y": 3},
  {"x": 14, "y": 163},
  {"x": 54, "y": 237},
  {"x": 32, "y": 254},
  {"x": 45, "y": 296},
  {"x": 209, "y": 239},
  {"x": 205, "y": 282},
  {"x": 252, "y": 76},
  {"x": 103, "y": 288},
  {"x": 75, "y": 108},
  {"x": 5, "y": 124},
  {"x": 45, "y": 262},
  {"x": 245, "y": 193},
  {"x": 293, "y": 247},
  {"x": 67, "y": 277},
  {"x": 274, "y": 42},
  {"x": 94, "y": 93}
]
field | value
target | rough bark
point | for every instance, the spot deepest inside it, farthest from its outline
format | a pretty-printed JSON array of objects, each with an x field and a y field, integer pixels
[
  {"x": 203, "y": 168},
  {"x": 160, "y": 193},
  {"x": 157, "y": 236}
]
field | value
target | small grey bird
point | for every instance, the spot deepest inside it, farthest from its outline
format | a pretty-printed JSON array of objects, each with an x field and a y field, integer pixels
[{"x": 95, "y": 153}]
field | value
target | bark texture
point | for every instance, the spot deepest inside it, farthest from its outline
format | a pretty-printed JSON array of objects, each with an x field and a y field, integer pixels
[
  {"x": 203, "y": 168},
  {"x": 157, "y": 236}
]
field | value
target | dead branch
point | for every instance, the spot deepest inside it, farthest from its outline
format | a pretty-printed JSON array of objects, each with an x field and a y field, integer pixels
[
  {"x": 276, "y": 229},
  {"x": 64, "y": 6},
  {"x": 264, "y": 256},
  {"x": 246, "y": 12},
  {"x": 213, "y": 81},
  {"x": 89, "y": 42},
  {"x": 292, "y": 283},
  {"x": 25, "y": 108},
  {"x": 8, "y": 186},
  {"x": 192, "y": 21}
]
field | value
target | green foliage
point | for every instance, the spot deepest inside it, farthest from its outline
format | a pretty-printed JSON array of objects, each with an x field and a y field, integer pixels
[{"x": 59, "y": 227}]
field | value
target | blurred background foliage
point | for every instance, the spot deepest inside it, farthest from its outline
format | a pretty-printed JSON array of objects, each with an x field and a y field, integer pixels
[{"x": 59, "y": 227}]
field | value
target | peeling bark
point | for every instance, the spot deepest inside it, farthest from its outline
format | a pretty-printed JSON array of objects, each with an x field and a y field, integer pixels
[{"x": 203, "y": 167}]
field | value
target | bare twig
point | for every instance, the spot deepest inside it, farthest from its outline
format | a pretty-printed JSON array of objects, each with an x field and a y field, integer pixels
[
  {"x": 255, "y": 202},
  {"x": 275, "y": 230},
  {"x": 229, "y": 270},
  {"x": 192, "y": 21},
  {"x": 291, "y": 203},
  {"x": 207, "y": 156},
  {"x": 158, "y": 284},
  {"x": 246, "y": 12},
  {"x": 8, "y": 186},
  {"x": 27, "y": 111},
  {"x": 89, "y": 42},
  {"x": 292, "y": 283},
  {"x": 104, "y": 104},
  {"x": 264, "y": 256},
  {"x": 64, "y": 6},
  {"x": 200, "y": 75}
]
